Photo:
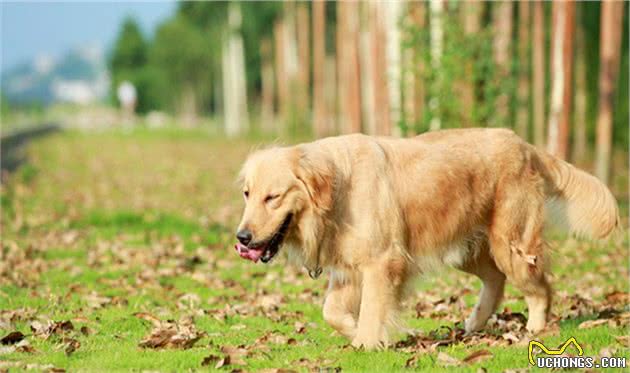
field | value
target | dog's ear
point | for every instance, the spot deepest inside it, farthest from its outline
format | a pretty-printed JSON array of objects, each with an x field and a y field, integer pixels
[{"x": 317, "y": 175}]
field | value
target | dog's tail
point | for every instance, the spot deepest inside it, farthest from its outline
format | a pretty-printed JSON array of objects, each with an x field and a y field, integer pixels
[{"x": 577, "y": 200}]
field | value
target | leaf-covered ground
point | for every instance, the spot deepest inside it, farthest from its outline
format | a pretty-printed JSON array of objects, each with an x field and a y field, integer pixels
[{"x": 117, "y": 255}]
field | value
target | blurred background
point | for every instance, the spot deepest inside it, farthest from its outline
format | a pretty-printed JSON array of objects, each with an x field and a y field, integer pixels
[{"x": 555, "y": 72}]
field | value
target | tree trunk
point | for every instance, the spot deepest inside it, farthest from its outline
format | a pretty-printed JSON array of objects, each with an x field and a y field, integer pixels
[
  {"x": 294, "y": 115},
  {"x": 418, "y": 17},
  {"x": 188, "y": 106},
  {"x": 502, "y": 20},
  {"x": 561, "y": 77},
  {"x": 267, "y": 94},
  {"x": 437, "y": 36},
  {"x": 538, "y": 66},
  {"x": 287, "y": 68},
  {"x": 522, "y": 115},
  {"x": 381, "y": 99},
  {"x": 348, "y": 65},
  {"x": 320, "y": 116},
  {"x": 471, "y": 13},
  {"x": 610, "y": 37},
  {"x": 234, "y": 84},
  {"x": 393, "y": 10},
  {"x": 367, "y": 71},
  {"x": 412, "y": 70},
  {"x": 580, "y": 146},
  {"x": 408, "y": 92},
  {"x": 304, "y": 64},
  {"x": 330, "y": 95},
  {"x": 281, "y": 74}
]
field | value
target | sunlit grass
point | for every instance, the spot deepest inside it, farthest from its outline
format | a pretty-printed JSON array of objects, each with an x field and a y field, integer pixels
[{"x": 97, "y": 211}]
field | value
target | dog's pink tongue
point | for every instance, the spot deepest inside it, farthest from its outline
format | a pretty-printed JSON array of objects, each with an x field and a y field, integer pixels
[{"x": 247, "y": 253}]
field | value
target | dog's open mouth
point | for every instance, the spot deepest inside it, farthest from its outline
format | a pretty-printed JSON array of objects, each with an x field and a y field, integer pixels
[{"x": 266, "y": 249}]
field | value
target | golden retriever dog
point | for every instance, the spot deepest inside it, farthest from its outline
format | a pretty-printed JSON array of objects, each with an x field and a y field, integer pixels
[{"x": 374, "y": 212}]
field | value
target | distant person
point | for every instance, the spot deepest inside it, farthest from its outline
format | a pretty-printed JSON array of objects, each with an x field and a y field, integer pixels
[{"x": 127, "y": 97}]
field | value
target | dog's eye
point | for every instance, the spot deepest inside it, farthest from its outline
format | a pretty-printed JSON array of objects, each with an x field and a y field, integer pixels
[
  {"x": 246, "y": 194},
  {"x": 271, "y": 197}
]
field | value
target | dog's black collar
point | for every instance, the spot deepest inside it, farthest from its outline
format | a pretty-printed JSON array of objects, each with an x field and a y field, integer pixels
[{"x": 315, "y": 273}]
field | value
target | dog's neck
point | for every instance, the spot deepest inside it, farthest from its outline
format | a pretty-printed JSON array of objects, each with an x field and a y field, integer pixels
[
  {"x": 316, "y": 230},
  {"x": 310, "y": 245},
  {"x": 312, "y": 236}
]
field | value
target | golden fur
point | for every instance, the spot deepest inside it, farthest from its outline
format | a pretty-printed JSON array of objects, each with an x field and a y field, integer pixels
[{"x": 375, "y": 211}]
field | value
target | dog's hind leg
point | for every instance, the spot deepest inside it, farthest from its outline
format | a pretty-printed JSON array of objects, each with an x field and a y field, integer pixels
[
  {"x": 483, "y": 266},
  {"x": 341, "y": 307},
  {"x": 517, "y": 245}
]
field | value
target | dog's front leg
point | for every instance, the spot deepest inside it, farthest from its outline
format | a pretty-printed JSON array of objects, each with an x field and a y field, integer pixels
[
  {"x": 341, "y": 306},
  {"x": 380, "y": 295}
]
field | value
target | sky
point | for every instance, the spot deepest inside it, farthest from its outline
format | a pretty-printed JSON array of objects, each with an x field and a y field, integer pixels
[{"x": 32, "y": 29}]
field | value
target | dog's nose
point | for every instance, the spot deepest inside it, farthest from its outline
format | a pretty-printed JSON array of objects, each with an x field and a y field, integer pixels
[{"x": 244, "y": 236}]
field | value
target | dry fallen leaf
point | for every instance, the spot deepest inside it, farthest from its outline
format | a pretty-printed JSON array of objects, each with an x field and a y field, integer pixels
[
  {"x": 235, "y": 354},
  {"x": 592, "y": 323},
  {"x": 446, "y": 360},
  {"x": 86, "y": 331},
  {"x": 96, "y": 301},
  {"x": 170, "y": 334},
  {"x": 412, "y": 362},
  {"x": 24, "y": 346},
  {"x": 189, "y": 301},
  {"x": 618, "y": 297},
  {"x": 46, "y": 329},
  {"x": 148, "y": 317},
  {"x": 12, "y": 338},
  {"x": 209, "y": 360},
  {"x": 5, "y": 365},
  {"x": 623, "y": 340},
  {"x": 70, "y": 345},
  {"x": 300, "y": 327},
  {"x": 607, "y": 352},
  {"x": 225, "y": 360},
  {"x": 477, "y": 356},
  {"x": 510, "y": 337}
]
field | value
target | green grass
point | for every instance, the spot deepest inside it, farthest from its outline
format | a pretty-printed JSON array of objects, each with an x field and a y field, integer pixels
[{"x": 145, "y": 220}]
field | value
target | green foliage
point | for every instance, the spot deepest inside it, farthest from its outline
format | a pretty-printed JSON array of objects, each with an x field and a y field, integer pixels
[
  {"x": 589, "y": 14},
  {"x": 621, "y": 114},
  {"x": 153, "y": 88},
  {"x": 180, "y": 50},
  {"x": 130, "y": 50},
  {"x": 181, "y": 56},
  {"x": 128, "y": 62},
  {"x": 460, "y": 49},
  {"x": 182, "y": 53},
  {"x": 466, "y": 59},
  {"x": 205, "y": 15},
  {"x": 258, "y": 21}
]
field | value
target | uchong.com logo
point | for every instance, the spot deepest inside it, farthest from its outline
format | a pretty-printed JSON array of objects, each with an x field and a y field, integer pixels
[{"x": 556, "y": 358}]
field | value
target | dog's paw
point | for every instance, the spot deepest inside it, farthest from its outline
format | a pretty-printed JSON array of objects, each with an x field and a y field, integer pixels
[
  {"x": 535, "y": 326},
  {"x": 472, "y": 324},
  {"x": 368, "y": 343}
]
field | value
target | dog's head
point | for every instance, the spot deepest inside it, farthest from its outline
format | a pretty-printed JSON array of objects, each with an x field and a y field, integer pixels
[{"x": 278, "y": 186}]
